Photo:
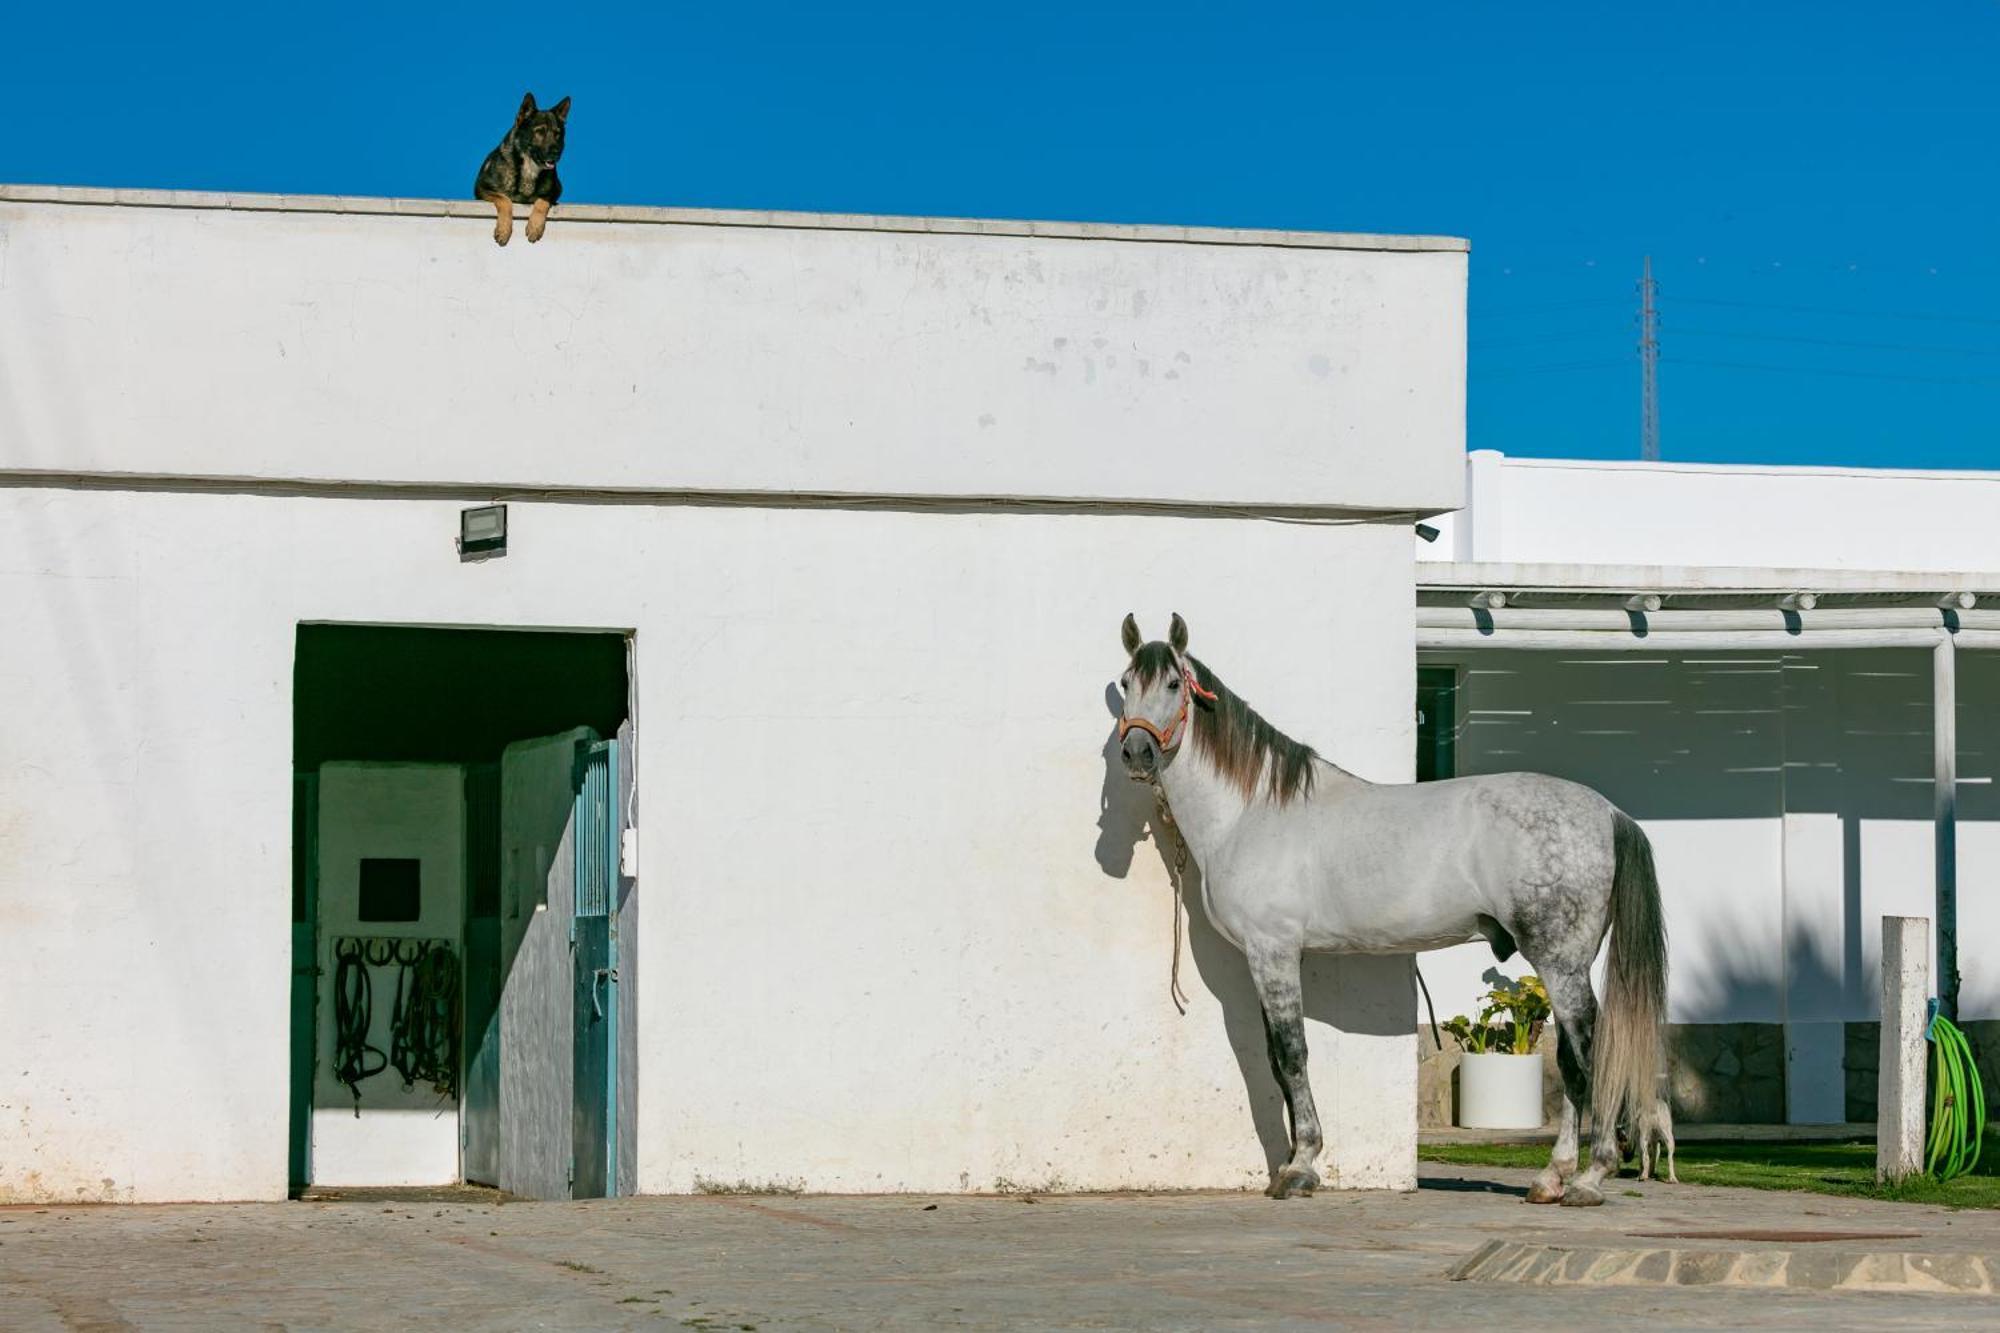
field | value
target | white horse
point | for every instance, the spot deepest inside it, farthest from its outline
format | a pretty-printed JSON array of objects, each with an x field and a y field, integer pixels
[{"x": 1296, "y": 854}]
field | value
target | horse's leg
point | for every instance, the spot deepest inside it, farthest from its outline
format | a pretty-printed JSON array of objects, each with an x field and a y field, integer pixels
[
  {"x": 1549, "y": 1181},
  {"x": 1276, "y": 974},
  {"x": 1575, "y": 1007}
]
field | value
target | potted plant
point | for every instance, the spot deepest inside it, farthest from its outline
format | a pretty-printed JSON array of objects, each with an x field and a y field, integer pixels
[{"x": 1499, "y": 1074}]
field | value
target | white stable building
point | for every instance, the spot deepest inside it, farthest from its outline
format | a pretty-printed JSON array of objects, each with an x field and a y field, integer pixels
[
  {"x": 1788, "y": 675},
  {"x": 630, "y": 713}
]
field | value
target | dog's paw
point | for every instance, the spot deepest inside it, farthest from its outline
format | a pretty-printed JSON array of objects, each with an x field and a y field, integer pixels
[
  {"x": 501, "y": 235},
  {"x": 535, "y": 229}
]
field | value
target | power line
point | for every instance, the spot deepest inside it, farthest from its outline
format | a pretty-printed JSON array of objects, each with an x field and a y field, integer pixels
[
  {"x": 1839, "y": 342},
  {"x": 1538, "y": 339},
  {"x": 1853, "y": 314},
  {"x": 1518, "y": 311},
  {"x": 1839, "y": 374},
  {"x": 1550, "y": 369}
]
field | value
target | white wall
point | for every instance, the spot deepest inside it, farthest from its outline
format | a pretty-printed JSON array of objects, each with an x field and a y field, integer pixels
[
  {"x": 1563, "y": 511},
  {"x": 892, "y": 938},
  {"x": 400, "y": 1136},
  {"x": 805, "y": 355}
]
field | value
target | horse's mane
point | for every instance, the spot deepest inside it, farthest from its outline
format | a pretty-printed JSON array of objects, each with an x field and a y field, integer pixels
[{"x": 1235, "y": 737}]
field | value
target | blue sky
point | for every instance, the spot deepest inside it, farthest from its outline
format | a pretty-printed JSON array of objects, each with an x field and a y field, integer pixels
[{"x": 1818, "y": 184}]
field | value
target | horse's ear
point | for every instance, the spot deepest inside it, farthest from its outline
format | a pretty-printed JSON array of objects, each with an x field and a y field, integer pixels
[
  {"x": 1177, "y": 635},
  {"x": 1129, "y": 633}
]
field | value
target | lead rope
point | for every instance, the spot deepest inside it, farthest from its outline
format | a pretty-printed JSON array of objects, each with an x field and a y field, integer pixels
[{"x": 1165, "y": 823}]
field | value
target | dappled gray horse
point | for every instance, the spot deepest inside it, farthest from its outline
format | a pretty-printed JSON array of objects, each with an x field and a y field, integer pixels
[{"x": 1297, "y": 854}]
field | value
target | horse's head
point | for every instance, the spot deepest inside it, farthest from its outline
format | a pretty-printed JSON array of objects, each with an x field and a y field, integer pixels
[{"x": 1160, "y": 688}]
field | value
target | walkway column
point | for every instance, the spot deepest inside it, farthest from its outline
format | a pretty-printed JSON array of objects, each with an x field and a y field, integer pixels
[{"x": 1944, "y": 788}]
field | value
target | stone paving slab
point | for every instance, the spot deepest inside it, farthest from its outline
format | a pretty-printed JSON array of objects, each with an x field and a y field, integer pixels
[
  {"x": 1808, "y": 1268},
  {"x": 1177, "y": 1261}
]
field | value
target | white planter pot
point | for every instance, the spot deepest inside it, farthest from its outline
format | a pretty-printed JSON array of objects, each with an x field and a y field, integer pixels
[{"x": 1500, "y": 1091}]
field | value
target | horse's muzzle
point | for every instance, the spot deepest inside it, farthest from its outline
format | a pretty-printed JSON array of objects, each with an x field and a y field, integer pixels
[{"x": 1142, "y": 755}]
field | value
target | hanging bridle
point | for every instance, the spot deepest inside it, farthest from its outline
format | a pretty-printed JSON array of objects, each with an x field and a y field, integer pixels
[
  {"x": 1178, "y": 727},
  {"x": 1175, "y": 733}
]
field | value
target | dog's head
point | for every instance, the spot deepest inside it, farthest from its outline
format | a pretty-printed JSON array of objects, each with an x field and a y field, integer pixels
[{"x": 538, "y": 133}]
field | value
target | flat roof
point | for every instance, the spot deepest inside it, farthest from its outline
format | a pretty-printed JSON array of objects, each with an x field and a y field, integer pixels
[{"x": 572, "y": 214}]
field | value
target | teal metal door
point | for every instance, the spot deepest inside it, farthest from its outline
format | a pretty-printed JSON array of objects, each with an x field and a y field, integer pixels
[{"x": 594, "y": 946}]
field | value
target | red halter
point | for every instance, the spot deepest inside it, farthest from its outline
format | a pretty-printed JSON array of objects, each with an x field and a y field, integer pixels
[{"x": 1179, "y": 724}]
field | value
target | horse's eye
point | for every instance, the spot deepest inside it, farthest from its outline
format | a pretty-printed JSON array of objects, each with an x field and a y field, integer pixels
[{"x": 1174, "y": 683}]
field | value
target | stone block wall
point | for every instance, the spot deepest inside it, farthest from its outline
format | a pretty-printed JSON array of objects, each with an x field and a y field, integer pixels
[
  {"x": 1727, "y": 1073},
  {"x": 1864, "y": 1056}
]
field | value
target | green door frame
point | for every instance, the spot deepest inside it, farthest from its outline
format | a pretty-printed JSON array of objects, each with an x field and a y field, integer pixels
[{"x": 305, "y": 976}]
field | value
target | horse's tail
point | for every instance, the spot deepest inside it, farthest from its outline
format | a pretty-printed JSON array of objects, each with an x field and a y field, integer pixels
[{"x": 1626, "y": 1044}]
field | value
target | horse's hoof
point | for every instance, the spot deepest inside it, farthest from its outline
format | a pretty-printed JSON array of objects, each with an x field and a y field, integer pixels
[
  {"x": 1543, "y": 1191},
  {"x": 1579, "y": 1195},
  {"x": 1293, "y": 1181}
]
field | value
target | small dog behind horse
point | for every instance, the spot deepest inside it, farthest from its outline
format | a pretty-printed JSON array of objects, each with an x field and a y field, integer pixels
[{"x": 1654, "y": 1131}]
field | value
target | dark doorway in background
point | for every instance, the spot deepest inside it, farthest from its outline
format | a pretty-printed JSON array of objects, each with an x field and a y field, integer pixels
[{"x": 1437, "y": 723}]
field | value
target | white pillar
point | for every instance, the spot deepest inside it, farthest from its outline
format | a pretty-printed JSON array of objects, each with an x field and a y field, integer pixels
[
  {"x": 1899, "y": 1116},
  {"x": 1944, "y": 798}
]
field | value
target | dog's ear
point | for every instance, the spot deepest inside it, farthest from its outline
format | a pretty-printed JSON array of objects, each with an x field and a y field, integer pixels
[
  {"x": 527, "y": 109},
  {"x": 561, "y": 110}
]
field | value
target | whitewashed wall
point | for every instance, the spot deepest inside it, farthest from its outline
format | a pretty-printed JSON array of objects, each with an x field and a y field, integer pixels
[
  {"x": 893, "y": 939},
  {"x": 400, "y": 1136},
  {"x": 897, "y": 934}
]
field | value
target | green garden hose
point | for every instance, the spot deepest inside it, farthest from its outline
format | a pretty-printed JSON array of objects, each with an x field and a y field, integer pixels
[{"x": 1958, "y": 1103}]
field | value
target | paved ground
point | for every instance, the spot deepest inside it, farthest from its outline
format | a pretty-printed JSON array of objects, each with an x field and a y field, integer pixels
[{"x": 738, "y": 1262}]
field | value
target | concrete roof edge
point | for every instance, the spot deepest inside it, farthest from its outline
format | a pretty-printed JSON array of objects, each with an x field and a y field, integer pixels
[
  {"x": 715, "y": 217},
  {"x": 1373, "y": 513},
  {"x": 1636, "y": 465}
]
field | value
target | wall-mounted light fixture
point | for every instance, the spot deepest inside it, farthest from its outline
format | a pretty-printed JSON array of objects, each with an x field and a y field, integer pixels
[
  {"x": 482, "y": 532},
  {"x": 1427, "y": 532}
]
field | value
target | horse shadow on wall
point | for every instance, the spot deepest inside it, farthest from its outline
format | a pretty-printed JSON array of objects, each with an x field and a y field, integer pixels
[{"x": 1126, "y": 818}]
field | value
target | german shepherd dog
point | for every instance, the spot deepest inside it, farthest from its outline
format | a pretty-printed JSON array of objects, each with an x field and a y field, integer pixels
[{"x": 522, "y": 170}]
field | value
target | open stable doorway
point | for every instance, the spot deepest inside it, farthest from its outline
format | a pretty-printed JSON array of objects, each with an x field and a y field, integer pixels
[{"x": 463, "y": 996}]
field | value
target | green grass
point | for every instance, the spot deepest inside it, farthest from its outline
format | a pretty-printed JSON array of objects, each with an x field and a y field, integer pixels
[{"x": 1818, "y": 1168}]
